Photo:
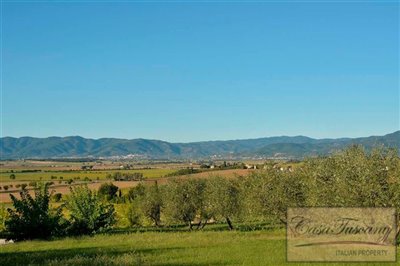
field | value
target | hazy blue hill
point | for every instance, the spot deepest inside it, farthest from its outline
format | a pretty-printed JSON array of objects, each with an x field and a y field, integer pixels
[
  {"x": 283, "y": 146},
  {"x": 326, "y": 146},
  {"x": 291, "y": 150}
]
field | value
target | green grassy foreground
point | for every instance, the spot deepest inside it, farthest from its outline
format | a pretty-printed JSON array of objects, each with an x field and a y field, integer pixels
[{"x": 158, "y": 248}]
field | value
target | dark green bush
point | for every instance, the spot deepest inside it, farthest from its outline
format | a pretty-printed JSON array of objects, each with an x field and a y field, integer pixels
[
  {"x": 135, "y": 192},
  {"x": 118, "y": 176},
  {"x": 185, "y": 171},
  {"x": 32, "y": 217},
  {"x": 133, "y": 214},
  {"x": 56, "y": 197},
  {"x": 108, "y": 191}
]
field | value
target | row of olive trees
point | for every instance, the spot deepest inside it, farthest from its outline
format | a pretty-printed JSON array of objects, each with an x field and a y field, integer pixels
[
  {"x": 349, "y": 178},
  {"x": 32, "y": 217},
  {"x": 195, "y": 202}
]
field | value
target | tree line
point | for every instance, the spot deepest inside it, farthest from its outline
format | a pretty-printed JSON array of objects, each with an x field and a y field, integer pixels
[{"x": 349, "y": 178}]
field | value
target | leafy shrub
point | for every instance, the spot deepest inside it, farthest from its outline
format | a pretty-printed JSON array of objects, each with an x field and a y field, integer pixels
[
  {"x": 3, "y": 218},
  {"x": 185, "y": 171},
  {"x": 57, "y": 197},
  {"x": 133, "y": 214},
  {"x": 5, "y": 187},
  {"x": 12, "y": 176},
  {"x": 88, "y": 214},
  {"x": 30, "y": 171},
  {"x": 136, "y": 192},
  {"x": 108, "y": 191},
  {"x": 118, "y": 176},
  {"x": 32, "y": 217}
]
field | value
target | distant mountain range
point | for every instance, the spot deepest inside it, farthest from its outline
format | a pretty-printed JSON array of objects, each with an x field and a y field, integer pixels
[{"x": 278, "y": 147}]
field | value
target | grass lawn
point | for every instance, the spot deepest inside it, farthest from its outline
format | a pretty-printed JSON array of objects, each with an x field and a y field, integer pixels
[{"x": 158, "y": 248}]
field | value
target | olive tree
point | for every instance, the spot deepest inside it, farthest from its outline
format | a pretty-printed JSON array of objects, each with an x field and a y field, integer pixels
[
  {"x": 184, "y": 200},
  {"x": 269, "y": 193},
  {"x": 354, "y": 177},
  {"x": 151, "y": 204},
  {"x": 222, "y": 199}
]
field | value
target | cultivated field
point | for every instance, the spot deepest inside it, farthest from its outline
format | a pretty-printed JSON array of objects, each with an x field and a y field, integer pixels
[
  {"x": 70, "y": 174},
  {"x": 23, "y": 174},
  {"x": 65, "y": 189}
]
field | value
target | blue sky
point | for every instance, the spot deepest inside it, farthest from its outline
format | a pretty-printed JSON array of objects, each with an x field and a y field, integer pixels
[{"x": 200, "y": 71}]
